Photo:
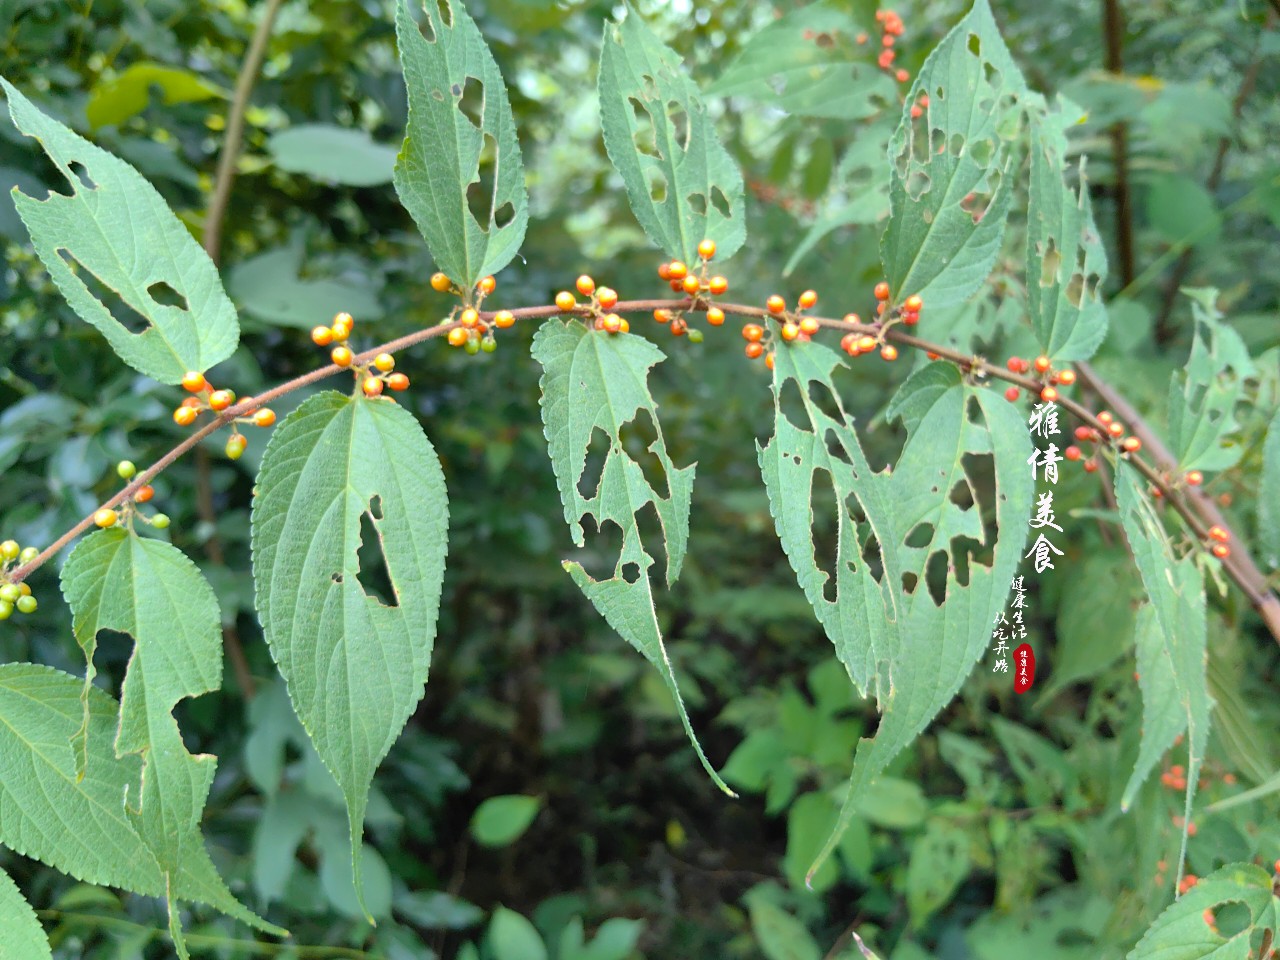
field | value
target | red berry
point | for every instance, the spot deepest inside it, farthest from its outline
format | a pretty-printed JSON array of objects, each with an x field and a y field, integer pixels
[
  {"x": 1090, "y": 465},
  {"x": 1219, "y": 533},
  {"x": 1012, "y": 394},
  {"x": 913, "y": 303},
  {"x": 1049, "y": 394},
  {"x": 1194, "y": 478},
  {"x": 776, "y": 304},
  {"x": 1043, "y": 364},
  {"x": 586, "y": 286},
  {"x": 882, "y": 291},
  {"x": 1131, "y": 444},
  {"x": 754, "y": 350},
  {"x": 144, "y": 493},
  {"x": 1072, "y": 453}
]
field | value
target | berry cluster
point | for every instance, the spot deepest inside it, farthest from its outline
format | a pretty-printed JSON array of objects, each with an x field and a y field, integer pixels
[
  {"x": 125, "y": 470},
  {"x": 205, "y": 397},
  {"x": 1052, "y": 378},
  {"x": 601, "y": 302},
  {"x": 696, "y": 285},
  {"x": 474, "y": 334},
  {"x": 891, "y": 24},
  {"x": 370, "y": 382},
  {"x": 15, "y": 596}
]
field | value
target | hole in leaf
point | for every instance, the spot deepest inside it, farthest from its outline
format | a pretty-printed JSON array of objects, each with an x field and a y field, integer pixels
[
  {"x": 165, "y": 295},
  {"x": 82, "y": 174},
  {"x": 657, "y": 186},
  {"x": 637, "y": 437},
  {"x": 991, "y": 74},
  {"x": 975, "y": 45},
  {"x": 375, "y": 507},
  {"x": 1049, "y": 267},
  {"x": 593, "y": 467},
  {"x": 480, "y": 190},
  {"x": 631, "y": 572},
  {"x": 791, "y": 403},
  {"x": 871, "y": 556},
  {"x": 961, "y": 494},
  {"x": 679, "y": 121},
  {"x": 336, "y": 577},
  {"x": 603, "y": 547},
  {"x": 504, "y": 215},
  {"x": 982, "y": 152},
  {"x": 957, "y": 144},
  {"x": 425, "y": 27},
  {"x": 825, "y": 530},
  {"x": 917, "y": 183},
  {"x": 935, "y": 576},
  {"x": 909, "y": 581},
  {"x": 470, "y": 100},
  {"x": 375, "y": 579},
  {"x": 697, "y": 203},
  {"x": 112, "y": 302},
  {"x": 446, "y": 12},
  {"x": 644, "y": 135},
  {"x": 921, "y": 535},
  {"x": 821, "y": 397},
  {"x": 1075, "y": 289},
  {"x": 721, "y": 203}
]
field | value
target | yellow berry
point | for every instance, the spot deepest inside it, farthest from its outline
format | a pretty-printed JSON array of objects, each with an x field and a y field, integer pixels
[
  {"x": 809, "y": 326},
  {"x": 371, "y": 386},
  {"x": 193, "y": 382},
  {"x": 776, "y": 304},
  {"x": 890, "y": 352},
  {"x": 715, "y": 316},
  {"x": 586, "y": 286},
  {"x": 398, "y": 382},
  {"x": 790, "y": 331},
  {"x": 913, "y": 303},
  {"x": 106, "y": 517},
  {"x": 221, "y": 399},
  {"x": 185, "y": 416},
  {"x": 608, "y": 297},
  {"x": 321, "y": 336},
  {"x": 808, "y": 299},
  {"x": 345, "y": 322},
  {"x": 677, "y": 270},
  {"x": 342, "y": 356},
  {"x": 469, "y": 317},
  {"x": 264, "y": 417},
  {"x": 503, "y": 319},
  {"x": 566, "y": 301},
  {"x": 487, "y": 285},
  {"x": 458, "y": 336},
  {"x": 717, "y": 285},
  {"x": 612, "y": 323},
  {"x": 440, "y": 283},
  {"x": 384, "y": 362},
  {"x": 707, "y": 249}
]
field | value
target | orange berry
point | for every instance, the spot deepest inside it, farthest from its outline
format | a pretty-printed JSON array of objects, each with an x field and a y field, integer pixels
[
  {"x": 1012, "y": 394},
  {"x": 185, "y": 416},
  {"x": 487, "y": 285},
  {"x": 889, "y": 352},
  {"x": 1072, "y": 453},
  {"x": 707, "y": 249},
  {"x": 193, "y": 382},
  {"x": 1105, "y": 418},
  {"x": 790, "y": 331},
  {"x": 1116, "y": 429},
  {"x": 221, "y": 399},
  {"x": 144, "y": 493},
  {"x": 1067, "y": 377},
  {"x": 1049, "y": 394},
  {"x": 753, "y": 332},
  {"x": 886, "y": 59},
  {"x": 371, "y": 386},
  {"x": 1042, "y": 364},
  {"x": 469, "y": 317},
  {"x": 676, "y": 270},
  {"x": 715, "y": 316},
  {"x": 717, "y": 285},
  {"x": 924, "y": 100},
  {"x": 321, "y": 336},
  {"x": 440, "y": 283},
  {"x": 264, "y": 417},
  {"x": 1090, "y": 465},
  {"x": 691, "y": 285},
  {"x": 586, "y": 286},
  {"x": 678, "y": 327},
  {"x": 608, "y": 297},
  {"x": 808, "y": 299},
  {"x": 1219, "y": 533},
  {"x": 384, "y": 362},
  {"x": 344, "y": 322},
  {"x": 677, "y": 286},
  {"x": 768, "y": 361},
  {"x": 566, "y": 301},
  {"x": 503, "y": 319},
  {"x": 342, "y": 356},
  {"x": 902, "y": 76},
  {"x": 932, "y": 356},
  {"x": 887, "y": 40},
  {"x": 457, "y": 337},
  {"x": 866, "y": 344},
  {"x": 662, "y": 316},
  {"x": 1194, "y": 478},
  {"x": 776, "y": 304},
  {"x": 1086, "y": 433},
  {"x": 1229, "y": 778},
  {"x": 612, "y": 323},
  {"x": 852, "y": 318},
  {"x": 913, "y": 303},
  {"x": 754, "y": 350},
  {"x": 106, "y": 517},
  {"x": 849, "y": 344},
  {"x": 664, "y": 271},
  {"x": 1131, "y": 444},
  {"x": 882, "y": 291},
  {"x": 623, "y": 326},
  {"x": 916, "y": 112},
  {"x": 398, "y": 382},
  {"x": 194, "y": 402},
  {"x": 809, "y": 326}
]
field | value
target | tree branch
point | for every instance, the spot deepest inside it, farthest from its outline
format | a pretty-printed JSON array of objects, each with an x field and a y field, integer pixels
[{"x": 1113, "y": 39}]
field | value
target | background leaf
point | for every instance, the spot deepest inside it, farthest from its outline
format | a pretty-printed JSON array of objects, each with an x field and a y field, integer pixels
[
  {"x": 682, "y": 183},
  {"x": 355, "y": 661},
  {"x": 126, "y": 95},
  {"x": 501, "y": 820},
  {"x": 473, "y": 223},
  {"x": 271, "y": 288},
  {"x": 116, "y": 227},
  {"x": 334, "y": 154},
  {"x": 1180, "y": 932},
  {"x": 23, "y": 938}
]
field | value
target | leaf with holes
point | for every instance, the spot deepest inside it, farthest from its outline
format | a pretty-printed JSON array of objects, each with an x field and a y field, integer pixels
[
  {"x": 591, "y": 382},
  {"x": 1269, "y": 497},
  {"x": 952, "y": 168},
  {"x": 82, "y": 825},
  {"x": 1066, "y": 261},
  {"x": 116, "y": 580},
  {"x": 116, "y": 227},
  {"x": 23, "y": 937},
  {"x": 810, "y": 63},
  {"x": 682, "y": 183},
  {"x": 1203, "y": 395},
  {"x": 1181, "y": 933},
  {"x": 905, "y": 540},
  {"x": 355, "y": 666},
  {"x": 1170, "y": 641},
  {"x": 459, "y": 172}
]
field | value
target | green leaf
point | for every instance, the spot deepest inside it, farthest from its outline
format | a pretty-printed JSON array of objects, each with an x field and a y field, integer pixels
[
  {"x": 270, "y": 287},
  {"x": 82, "y": 825},
  {"x": 355, "y": 663},
  {"x": 1180, "y": 932},
  {"x": 615, "y": 940},
  {"x": 1066, "y": 260},
  {"x": 335, "y": 154},
  {"x": 1182, "y": 211},
  {"x": 593, "y": 381},
  {"x": 1170, "y": 643},
  {"x": 114, "y": 101},
  {"x": 473, "y": 223},
  {"x": 116, "y": 580},
  {"x": 1203, "y": 395},
  {"x": 24, "y": 938},
  {"x": 939, "y": 862},
  {"x": 893, "y": 638},
  {"x": 501, "y": 820},
  {"x": 513, "y": 937},
  {"x": 809, "y": 822},
  {"x": 437, "y": 910},
  {"x": 1269, "y": 497},
  {"x": 809, "y": 63},
  {"x": 1095, "y": 619},
  {"x": 780, "y": 935},
  {"x": 682, "y": 183},
  {"x": 115, "y": 226},
  {"x": 952, "y": 175}
]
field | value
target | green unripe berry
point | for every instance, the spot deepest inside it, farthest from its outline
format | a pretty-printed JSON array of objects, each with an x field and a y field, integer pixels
[
  {"x": 125, "y": 469},
  {"x": 26, "y": 604},
  {"x": 9, "y": 549},
  {"x": 488, "y": 344},
  {"x": 235, "y": 446},
  {"x": 6, "y": 609},
  {"x": 160, "y": 521},
  {"x": 28, "y": 554},
  {"x": 472, "y": 346},
  {"x": 695, "y": 336},
  {"x": 10, "y": 593}
]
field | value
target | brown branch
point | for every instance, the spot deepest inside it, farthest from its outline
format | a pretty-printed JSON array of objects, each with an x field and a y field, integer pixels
[
  {"x": 1238, "y": 565},
  {"x": 1113, "y": 38}
]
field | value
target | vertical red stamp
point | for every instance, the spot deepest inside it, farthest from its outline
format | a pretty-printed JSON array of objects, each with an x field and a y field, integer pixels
[{"x": 1024, "y": 666}]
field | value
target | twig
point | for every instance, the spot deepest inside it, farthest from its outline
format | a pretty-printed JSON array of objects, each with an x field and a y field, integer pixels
[{"x": 1113, "y": 37}]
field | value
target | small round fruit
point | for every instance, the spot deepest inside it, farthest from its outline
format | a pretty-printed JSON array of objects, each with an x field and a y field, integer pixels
[
  {"x": 487, "y": 285},
  {"x": 662, "y": 316},
  {"x": 790, "y": 331},
  {"x": 707, "y": 249},
  {"x": 185, "y": 416},
  {"x": 504, "y": 319},
  {"x": 715, "y": 316},
  {"x": 321, "y": 336},
  {"x": 1219, "y": 533},
  {"x": 1219, "y": 550},
  {"x": 235, "y": 446},
  {"x": 472, "y": 346},
  {"x": 695, "y": 335},
  {"x": 902, "y": 76},
  {"x": 488, "y": 344},
  {"x": 626, "y": 328},
  {"x": 1072, "y": 453},
  {"x": 809, "y": 326},
  {"x": 1067, "y": 377},
  {"x": 264, "y": 417},
  {"x": 343, "y": 323},
  {"x": 776, "y": 304},
  {"x": 221, "y": 399},
  {"x": 1194, "y": 478},
  {"x": 1085, "y": 433},
  {"x": 1015, "y": 364},
  {"x": 676, "y": 270},
  {"x": 1105, "y": 418},
  {"x": 193, "y": 381},
  {"x": 882, "y": 291},
  {"x": 342, "y": 356},
  {"x": 440, "y": 283},
  {"x": 717, "y": 285},
  {"x": 1012, "y": 394},
  {"x": 916, "y": 111},
  {"x": 769, "y": 361},
  {"x": 691, "y": 285},
  {"x": 910, "y": 317},
  {"x": 679, "y": 327},
  {"x": 1131, "y": 444},
  {"x": 808, "y": 299},
  {"x": 106, "y": 517},
  {"x": 6, "y": 609},
  {"x": 371, "y": 386},
  {"x": 913, "y": 303},
  {"x": 125, "y": 469},
  {"x": 890, "y": 352},
  {"x": 27, "y": 604},
  {"x": 1049, "y": 394},
  {"x": 852, "y": 318},
  {"x": 458, "y": 336},
  {"x": 160, "y": 521},
  {"x": 566, "y": 301},
  {"x": 612, "y": 323},
  {"x": 398, "y": 382},
  {"x": 754, "y": 349},
  {"x": 9, "y": 549},
  {"x": 849, "y": 344},
  {"x": 28, "y": 554},
  {"x": 469, "y": 317},
  {"x": 1042, "y": 364},
  {"x": 144, "y": 493},
  {"x": 1116, "y": 429},
  {"x": 1091, "y": 466},
  {"x": 586, "y": 286},
  {"x": 664, "y": 271},
  {"x": 10, "y": 593},
  {"x": 866, "y": 343},
  {"x": 384, "y": 362},
  {"x": 753, "y": 332},
  {"x": 608, "y": 297}
]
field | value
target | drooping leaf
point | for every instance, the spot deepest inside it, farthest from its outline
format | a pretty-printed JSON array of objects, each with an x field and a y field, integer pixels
[
  {"x": 81, "y": 825},
  {"x": 116, "y": 580},
  {"x": 115, "y": 226},
  {"x": 682, "y": 183},
  {"x": 459, "y": 173},
  {"x": 939, "y": 862},
  {"x": 1204, "y": 394},
  {"x": 1180, "y": 933},
  {"x": 270, "y": 287},
  {"x": 1066, "y": 261},
  {"x": 1269, "y": 497},
  {"x": 902, "y": 539},
  {"x": 1170, "y": 643},
  {"x": 952, "y": 168},
  {"x": 335, "y": 154},
  {"x": 501, "y": 820},
  {"x": 512, "y": 937},
  {"x": 355, "y": 663},
  {"x": 591, "y": 382},
  {"x": 809, "y": 63},
  {"x": 1181, "y": 210},
  {"x": 23, "y": 938},
  {"x": 114, "y": 101}
]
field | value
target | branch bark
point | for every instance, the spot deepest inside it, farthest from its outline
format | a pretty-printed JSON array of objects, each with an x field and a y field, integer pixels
[{"x": 1113, "y": 40}]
